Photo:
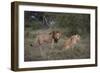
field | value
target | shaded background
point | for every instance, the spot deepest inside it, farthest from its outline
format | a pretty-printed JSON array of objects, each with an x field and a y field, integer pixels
[{"x": 73, "y": 23}]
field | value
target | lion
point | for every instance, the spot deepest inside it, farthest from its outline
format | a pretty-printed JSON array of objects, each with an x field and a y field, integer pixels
[{"x": 71, "y": 42}]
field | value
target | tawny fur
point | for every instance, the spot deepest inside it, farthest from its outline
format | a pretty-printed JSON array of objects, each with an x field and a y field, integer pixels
[
  {"x": 71, "y": 42},
  {"x": 51, "y": 37}
]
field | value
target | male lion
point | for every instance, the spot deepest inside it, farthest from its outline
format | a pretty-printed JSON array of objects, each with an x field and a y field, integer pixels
[{"x": 51, "y": 38}]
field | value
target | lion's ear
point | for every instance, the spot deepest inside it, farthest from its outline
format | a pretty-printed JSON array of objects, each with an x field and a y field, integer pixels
[
  {"x": 51, "y": 33},
  {"x": 59, "y": 32},
  {"x": 72, "y": 38}
]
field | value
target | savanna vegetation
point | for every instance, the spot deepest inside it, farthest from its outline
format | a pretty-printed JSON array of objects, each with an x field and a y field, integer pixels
[{"x": 67, "y": 23}]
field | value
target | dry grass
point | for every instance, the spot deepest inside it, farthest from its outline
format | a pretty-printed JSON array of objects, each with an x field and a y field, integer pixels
[{"x": 33, "y": 52}]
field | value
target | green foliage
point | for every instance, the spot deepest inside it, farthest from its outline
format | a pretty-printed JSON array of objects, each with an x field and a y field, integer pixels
[{"x": 72, "y": 23}]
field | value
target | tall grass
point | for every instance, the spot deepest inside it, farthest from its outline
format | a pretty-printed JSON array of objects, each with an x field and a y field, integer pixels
[{"x": 34, "y": 52}]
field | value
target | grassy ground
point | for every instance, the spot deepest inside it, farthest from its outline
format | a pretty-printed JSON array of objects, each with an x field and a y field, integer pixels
[{"x": 33, "y": 52}]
